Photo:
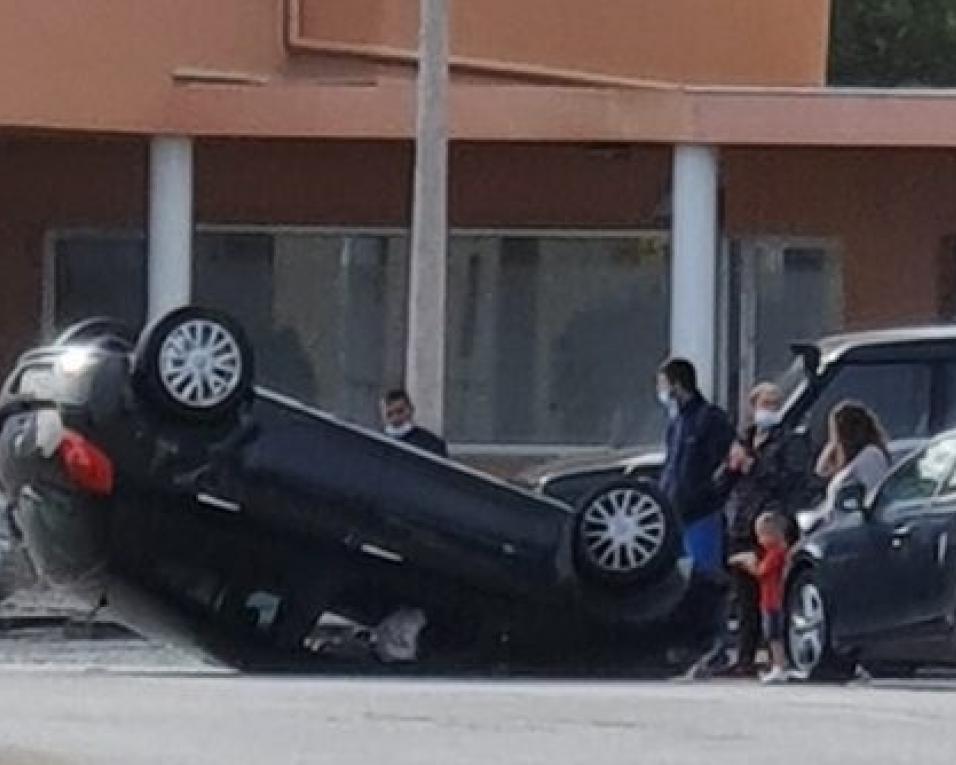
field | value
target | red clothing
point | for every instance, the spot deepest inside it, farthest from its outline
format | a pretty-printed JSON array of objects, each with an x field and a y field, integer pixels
[{"x": 770, "y": 577}]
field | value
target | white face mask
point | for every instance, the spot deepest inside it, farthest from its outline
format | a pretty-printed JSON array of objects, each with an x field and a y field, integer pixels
[
  {"x": 669, "y": 403},
  {"x": 399, "y": 431},
  {"x": 766, "y": 418}
]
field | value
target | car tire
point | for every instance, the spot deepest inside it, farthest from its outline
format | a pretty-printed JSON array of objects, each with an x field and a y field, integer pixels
[
  {"x": 626, "y": 533},
  {"x": 808, "y": 642},
  {"x": 195, "y": 364}
]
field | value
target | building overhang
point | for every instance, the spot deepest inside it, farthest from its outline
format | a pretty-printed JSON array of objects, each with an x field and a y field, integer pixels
[{"x": 517, "y": 113}]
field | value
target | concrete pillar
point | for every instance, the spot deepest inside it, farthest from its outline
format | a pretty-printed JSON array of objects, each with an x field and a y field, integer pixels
[
  {"x": 170, "y": 223},
  {"x": 694, "y": 260},
  {"x": 425, "y": 356}
]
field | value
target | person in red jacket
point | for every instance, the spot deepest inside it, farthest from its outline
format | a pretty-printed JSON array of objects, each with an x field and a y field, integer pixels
[{"x": 768, "y": 570}]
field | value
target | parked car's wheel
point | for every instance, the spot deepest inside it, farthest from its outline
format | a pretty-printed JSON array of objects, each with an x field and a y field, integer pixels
[
  {"x": 809, "y": 646},
  {"x": 195, "y": 364},
  {"x": 625, "y": 533}
]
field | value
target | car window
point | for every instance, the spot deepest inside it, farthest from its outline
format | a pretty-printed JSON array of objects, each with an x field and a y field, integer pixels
[
  {"x": 949, "y": 485},
  {"x": 898, "y": 393},
  {"x": 916, "y": 481}
]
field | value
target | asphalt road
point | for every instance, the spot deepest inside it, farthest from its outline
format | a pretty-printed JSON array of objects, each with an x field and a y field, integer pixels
[{"x": 58, "y": 717}]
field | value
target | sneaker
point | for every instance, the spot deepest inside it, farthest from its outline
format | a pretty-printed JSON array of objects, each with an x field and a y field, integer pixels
[{"x": 775, "y": 676}]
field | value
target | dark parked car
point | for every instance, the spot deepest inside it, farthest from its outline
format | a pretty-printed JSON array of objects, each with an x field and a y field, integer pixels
[
  {"x": 156, "y": 481},
  {"x": 877, "y": 584},
  {"x": 908, "y": 376}
]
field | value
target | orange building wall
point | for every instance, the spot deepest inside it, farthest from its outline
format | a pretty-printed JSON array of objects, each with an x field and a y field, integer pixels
[
  {"x": 702, "y": 41},
  {"x": 124, "y": 66},
  {"x": 368, "y": 183},
  {"x": 62, "y": 183},
  {"x": 891, "y": 209}
]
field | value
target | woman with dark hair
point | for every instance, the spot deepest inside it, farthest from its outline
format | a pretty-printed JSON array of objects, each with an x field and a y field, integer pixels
[{"x": 856, "y": 451}]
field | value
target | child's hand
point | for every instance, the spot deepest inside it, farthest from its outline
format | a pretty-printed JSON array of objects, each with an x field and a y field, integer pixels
[
  {"x": 738, "y": 460},
  {"x": 745, "y": 560}
]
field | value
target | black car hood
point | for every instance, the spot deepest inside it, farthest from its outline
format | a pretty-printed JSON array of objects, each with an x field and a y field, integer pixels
[{"x": 606, "y": 459}]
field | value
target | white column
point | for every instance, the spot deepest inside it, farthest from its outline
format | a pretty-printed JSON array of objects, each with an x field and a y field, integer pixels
[
  {"x": 425, "y": 354},
  {"x": 694, "y": 260},
  {"x": 170, "y": 223}
]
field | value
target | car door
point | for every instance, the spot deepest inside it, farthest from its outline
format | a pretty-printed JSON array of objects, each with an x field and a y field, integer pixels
[
  {"x": 939, "y": 558},
  {"x": 900, "y": 571}
]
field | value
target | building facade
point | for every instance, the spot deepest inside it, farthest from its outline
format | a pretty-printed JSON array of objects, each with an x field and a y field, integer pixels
[{"x": 627, "y": 179}]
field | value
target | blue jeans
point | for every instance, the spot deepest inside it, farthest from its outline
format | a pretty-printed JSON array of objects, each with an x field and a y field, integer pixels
[{"x": 704, "y": 542}]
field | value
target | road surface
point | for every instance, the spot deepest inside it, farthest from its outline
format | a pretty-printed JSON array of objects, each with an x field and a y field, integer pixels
[{"x": 57, "y": 716}]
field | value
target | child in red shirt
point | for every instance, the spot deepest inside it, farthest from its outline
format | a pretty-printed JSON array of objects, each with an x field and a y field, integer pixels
[{"x": 768, "y": 569}]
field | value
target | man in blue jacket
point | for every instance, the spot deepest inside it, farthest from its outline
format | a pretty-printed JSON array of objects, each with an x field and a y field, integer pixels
[{"x": 698, "y": 440}]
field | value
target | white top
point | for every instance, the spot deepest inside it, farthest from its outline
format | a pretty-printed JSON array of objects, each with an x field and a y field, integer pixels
[{"x": 867, "y": 468}]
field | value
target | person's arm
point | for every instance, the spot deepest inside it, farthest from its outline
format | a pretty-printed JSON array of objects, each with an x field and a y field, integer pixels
[
  {"x": 869, "y": 467},
  {"x": 720, "y": 438},
  {"x": 746, "y": 561},
  {"x": 698, "y": 492},
  {"x": 739, "y": 460}
]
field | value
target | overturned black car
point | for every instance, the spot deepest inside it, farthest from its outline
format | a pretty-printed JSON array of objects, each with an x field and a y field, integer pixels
[{"x": 153, "y": 479}]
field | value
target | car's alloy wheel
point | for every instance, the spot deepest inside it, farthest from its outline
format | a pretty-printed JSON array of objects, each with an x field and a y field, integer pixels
[
  {"x": 809, "y": 644},
  {"x": 807, "y": 628},
  {"x": 195, "y": 364},
  {"x": 623, "y": 530},
  {"x": 200, "y": 364},
  {"x": 626, "y": 533}
]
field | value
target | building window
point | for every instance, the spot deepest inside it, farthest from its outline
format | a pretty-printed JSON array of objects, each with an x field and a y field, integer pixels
[
  {"x": 551, "y": 339},
  {"x": 773, "y": 291},
  {"x": 555, "y": 339},
  {"x": 325, "y": 311},
  {"x": 76, "y": 287}
]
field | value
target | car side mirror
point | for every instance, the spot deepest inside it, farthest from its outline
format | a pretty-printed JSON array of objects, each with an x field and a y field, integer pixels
[{"x": 850, "y": 499}]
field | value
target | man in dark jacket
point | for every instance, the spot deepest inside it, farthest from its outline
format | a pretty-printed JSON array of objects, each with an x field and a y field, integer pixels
[
  {"x": 698, "y": 439},
  {"x": 399, "y": 414}
]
